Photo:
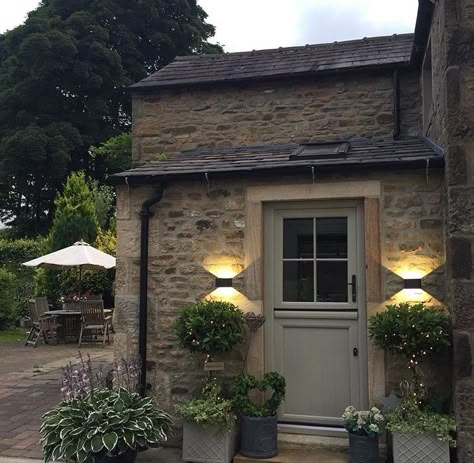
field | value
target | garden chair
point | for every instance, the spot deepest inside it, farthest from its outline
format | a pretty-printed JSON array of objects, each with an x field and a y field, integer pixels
[
  {"x": 42, "y": 324},
  {"x": 93, "y": 319}
]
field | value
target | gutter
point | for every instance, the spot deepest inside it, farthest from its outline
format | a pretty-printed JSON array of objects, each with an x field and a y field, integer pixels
[{"x": 145, "y": 214}]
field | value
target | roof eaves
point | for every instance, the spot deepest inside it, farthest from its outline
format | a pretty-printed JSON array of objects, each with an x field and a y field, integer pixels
[{"x": 147, "y": 85}]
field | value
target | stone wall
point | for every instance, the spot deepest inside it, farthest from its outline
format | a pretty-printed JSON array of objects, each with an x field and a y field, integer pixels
[
  {"x": 344, "y": 106},
  {"x": 196, "y": 228},
  {"x": 452, "y": 35}
]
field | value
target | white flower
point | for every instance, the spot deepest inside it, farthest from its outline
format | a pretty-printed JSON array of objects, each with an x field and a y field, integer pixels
[
  {"x": 375, "y": 410},
  {"x": 378, "y": 417},
  {"x": 374, "y": 428}
]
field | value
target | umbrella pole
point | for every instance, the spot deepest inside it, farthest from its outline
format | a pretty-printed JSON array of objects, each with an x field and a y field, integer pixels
[{"x": 80, "y": 281}]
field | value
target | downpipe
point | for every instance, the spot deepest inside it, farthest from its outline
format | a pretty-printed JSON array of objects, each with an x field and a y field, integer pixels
[{"x": 145, "y": 214}]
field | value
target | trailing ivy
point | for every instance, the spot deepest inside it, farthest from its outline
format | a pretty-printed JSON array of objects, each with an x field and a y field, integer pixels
[
  {"x": 210, "y": 408},
  {"x": 409, "y": 418}
]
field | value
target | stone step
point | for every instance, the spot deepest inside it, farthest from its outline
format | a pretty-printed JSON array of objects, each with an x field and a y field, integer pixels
[
  {"x": 305, "y": 455},
  {"x": 312, "y": 442}
]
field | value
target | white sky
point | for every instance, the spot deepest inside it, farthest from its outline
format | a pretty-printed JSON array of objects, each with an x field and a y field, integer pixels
[{"x": 255, "y": 24}]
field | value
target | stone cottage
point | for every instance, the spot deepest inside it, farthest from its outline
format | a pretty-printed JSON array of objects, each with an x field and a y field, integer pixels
[{"x": 319, "y": 178}]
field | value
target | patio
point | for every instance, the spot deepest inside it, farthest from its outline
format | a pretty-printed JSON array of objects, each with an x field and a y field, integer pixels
[{"x": 29, "y": 386}]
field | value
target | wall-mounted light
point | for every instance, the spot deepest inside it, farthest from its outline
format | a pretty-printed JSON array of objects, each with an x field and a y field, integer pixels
[
  {"x": 223, "y": 282},
  {"x": 412, "y": 283}
]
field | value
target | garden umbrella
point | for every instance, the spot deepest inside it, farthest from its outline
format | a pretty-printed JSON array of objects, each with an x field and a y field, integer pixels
[{"x": 80, "y": 255}]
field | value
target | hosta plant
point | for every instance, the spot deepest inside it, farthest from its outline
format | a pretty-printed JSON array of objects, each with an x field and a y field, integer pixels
[{"x": 102, "y": 423}]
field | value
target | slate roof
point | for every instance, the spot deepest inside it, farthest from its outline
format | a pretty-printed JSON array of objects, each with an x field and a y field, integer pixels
[
  {"x": 307, "y": 60},
  {"x": 287, "y": 158}
]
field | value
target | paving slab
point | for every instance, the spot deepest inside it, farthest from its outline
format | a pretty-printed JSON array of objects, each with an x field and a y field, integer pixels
[{"x": 30, "y": 382}]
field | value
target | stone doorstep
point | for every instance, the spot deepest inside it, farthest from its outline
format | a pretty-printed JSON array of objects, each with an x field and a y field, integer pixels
[{"x": 300, "y": 456}]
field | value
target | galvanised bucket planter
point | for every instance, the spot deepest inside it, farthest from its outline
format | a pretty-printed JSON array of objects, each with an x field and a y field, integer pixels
[
  {"x": 419, "y": 448},
  {"x": 128, "y": 457},
  {"x": 209, "y": 444},
  {"x": 363, "y": 449},
  {"x": 259, "y": 437}
]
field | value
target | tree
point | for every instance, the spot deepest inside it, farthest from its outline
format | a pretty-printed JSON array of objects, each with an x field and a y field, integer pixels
[
  {"x": 75, "y": 216},
  {"x": 112, "y": 156},
  {"x": 63, "y": 88}
]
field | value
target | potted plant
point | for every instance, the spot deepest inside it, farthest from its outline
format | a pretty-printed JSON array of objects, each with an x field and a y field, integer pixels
[
  {"x": 210, "y": 327},
  {"x": 210, "y": 430},
  {"x": 94, "y": 424},
  {"x": 258, "y": 422},
  {"x": 420, "y": 436},
  {"x": 415, "y": 332},
  {"x": 364, "y": 427}
]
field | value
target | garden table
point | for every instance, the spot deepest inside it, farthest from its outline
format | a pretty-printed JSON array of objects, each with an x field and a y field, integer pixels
[{"x": 70, "y": 321}]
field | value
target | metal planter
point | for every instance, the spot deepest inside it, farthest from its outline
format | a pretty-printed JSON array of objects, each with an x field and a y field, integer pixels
[
  {"x": 259, "y": 436},
  {"x": 419, "y": 448},
  {"x": 363, "y": 449},
  {"x": 209, "y": 444}
]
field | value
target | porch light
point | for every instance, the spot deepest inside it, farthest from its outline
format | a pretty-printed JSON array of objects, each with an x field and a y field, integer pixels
[
  {"x": 412, "y": 283},
  {"x": 224, "y": 282}
]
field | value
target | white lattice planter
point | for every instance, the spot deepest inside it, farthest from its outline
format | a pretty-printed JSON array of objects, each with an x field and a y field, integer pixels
[
  {"x": 209, "y": 444},
  {"x": 419, "y": 448}
]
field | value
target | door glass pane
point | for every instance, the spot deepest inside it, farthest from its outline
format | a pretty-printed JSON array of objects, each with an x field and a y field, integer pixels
[
  {"x": 297, "y": 238},
  {"x": 332, "y": 281},
  {"x": 298, "y": 281},
  {"x": 331, "y": 237}
]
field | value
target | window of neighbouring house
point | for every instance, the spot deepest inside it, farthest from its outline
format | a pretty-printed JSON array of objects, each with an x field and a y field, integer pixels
[{"x": 427, "y": 83}]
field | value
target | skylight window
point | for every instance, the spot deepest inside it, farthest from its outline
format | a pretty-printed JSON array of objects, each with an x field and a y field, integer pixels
[{"x": 321, "y": 150}]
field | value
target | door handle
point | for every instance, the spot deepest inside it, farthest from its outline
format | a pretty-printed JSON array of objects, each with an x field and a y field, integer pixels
[
  {"x": 353, "y": 284},
  {"x": 355, "y": 351}
]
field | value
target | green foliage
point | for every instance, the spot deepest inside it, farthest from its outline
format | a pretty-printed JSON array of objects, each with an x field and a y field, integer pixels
[
  {"x": 75, "y": 215},
  {"x": 64, "y": 75},
  {"x": 104, "y": 199},
  {"x": 414, "y": 331},
  {"x": 105, "y": 422},
  {"x": 92, "y": 281},
  {"x": 14, "y": 252},
  {"x": 363, "y": 422},
  {"x": 244, "y": 384},
  {"x": 209, "y": 327},
  {"x": 8, "y": 288},
  {"x": 114, "y": 155},
  {"x": 210, "y": 408},
  {"x": 409, "y": 417}
]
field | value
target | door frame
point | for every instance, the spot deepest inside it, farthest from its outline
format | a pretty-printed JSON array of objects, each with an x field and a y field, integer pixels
[{"x": 268, "y": 273}]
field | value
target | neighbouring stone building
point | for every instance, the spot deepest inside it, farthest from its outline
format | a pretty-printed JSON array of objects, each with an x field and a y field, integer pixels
[{"x": 319, "y": 178}]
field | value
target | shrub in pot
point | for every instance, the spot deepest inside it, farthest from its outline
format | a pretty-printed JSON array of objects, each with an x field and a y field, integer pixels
[
  {"x": 364, "y": 427},
  {"x": 94, "y": 424},
  {"x": 415, "y": 332},
  {"x": 210, "y": 428},
  {"x": 420, "y": 435},
  {"x": 209, "y": 327},
  {"x": 258, "y": 423}
]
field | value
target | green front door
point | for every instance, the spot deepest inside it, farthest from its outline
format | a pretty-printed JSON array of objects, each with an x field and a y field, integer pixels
[{"x": 313, "y": 290}]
